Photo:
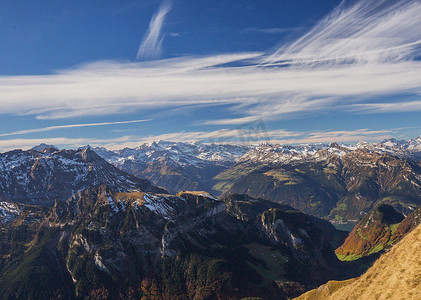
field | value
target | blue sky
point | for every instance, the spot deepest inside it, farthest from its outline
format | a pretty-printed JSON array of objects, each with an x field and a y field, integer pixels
[{"x": 120, "y": 73}]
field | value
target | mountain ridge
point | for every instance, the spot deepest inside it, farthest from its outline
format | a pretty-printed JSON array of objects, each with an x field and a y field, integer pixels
[
  {"x": 41, "y": 177},
  {"x": 327, "y": 191},
  {"x": 333, "y": 183},
  {"x": 102, "y": 243}
]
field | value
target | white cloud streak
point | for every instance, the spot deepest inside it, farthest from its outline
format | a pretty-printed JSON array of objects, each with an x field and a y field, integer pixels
[
  {"x": 403, "y": 106},
  {"x": 151, "y": 46},
  {"x": 356, "y": 55},
  {"x": 382, "y": 31},
  {"x": 278, "y": 136},
  {"x": 11, "y": 144},
  {"x": 273, "y": 30},
  {"x": 49, "y": 128}
]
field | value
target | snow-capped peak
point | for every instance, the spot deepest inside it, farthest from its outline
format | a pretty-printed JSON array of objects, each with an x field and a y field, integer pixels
[
  {"x": 192, "y": 153},
  {"x": 41, "y": 147}
]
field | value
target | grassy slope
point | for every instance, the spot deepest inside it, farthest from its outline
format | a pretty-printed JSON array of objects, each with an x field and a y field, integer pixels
[{"x": 396, "y": 275}]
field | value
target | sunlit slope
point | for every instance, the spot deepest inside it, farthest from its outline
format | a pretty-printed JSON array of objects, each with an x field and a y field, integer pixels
[{"x": 396, "y": 275}]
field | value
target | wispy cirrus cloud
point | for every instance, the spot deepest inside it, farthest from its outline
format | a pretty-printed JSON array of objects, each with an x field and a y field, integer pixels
[
  {"x": 278, "y": 136},
  {"x": 50, "y": 128},
  {"x": 151, "y": 46},
  {"x": 376, "y": 32},
  {"x": 23, "y": 143},
  {"x": 382, "y": 107},
  {"x": 272, "y": 30},
  {"x": 358, "y": 54}
]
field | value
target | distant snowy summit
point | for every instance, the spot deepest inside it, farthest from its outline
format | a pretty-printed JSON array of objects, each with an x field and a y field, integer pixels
[
  {"x": 267, "y": 153},
  {"x": 196, "y": 166},
  {"x": 196, "y": 153},
  {"x": 412, "y": 146},
  {"x": 42, "y": 147}
]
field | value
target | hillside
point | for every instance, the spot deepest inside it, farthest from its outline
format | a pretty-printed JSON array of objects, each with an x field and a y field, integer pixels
[
  {"x": 372, "y": 234},
  {"x": 378, "y": 230},
  {"x": 395, "y": 275}
]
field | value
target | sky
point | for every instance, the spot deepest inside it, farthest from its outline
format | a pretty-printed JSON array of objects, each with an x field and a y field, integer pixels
[{"x": 121, "y": 73}]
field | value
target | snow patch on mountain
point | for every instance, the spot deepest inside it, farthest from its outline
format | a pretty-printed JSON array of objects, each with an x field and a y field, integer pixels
[
  {"x": 41, "y": 147},
  {"x": 267, "y": 153},
  {"x": 159, "y": 205},
  {"x": 8, "y": 211},
  {"x": 35, "y": 177}
]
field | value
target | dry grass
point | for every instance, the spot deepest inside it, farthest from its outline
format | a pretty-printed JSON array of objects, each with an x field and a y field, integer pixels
[
  {"x": 395, "y": 275},
  {"x": 196, "y": 193},
  {"x": 129, "y": 197},
  {"x": 280, "y": 176}
]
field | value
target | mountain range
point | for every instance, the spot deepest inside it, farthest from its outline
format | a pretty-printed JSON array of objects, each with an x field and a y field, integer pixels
[
  {"x": 337, "y": 182},
  {"x": 88, "y": 223}
]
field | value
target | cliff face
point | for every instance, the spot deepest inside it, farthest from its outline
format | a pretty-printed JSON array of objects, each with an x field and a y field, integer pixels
[{"x": 408, "y": 224}]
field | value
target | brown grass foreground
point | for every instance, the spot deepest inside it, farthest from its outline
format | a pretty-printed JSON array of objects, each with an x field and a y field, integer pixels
[{"x": 395, "y": 275}]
